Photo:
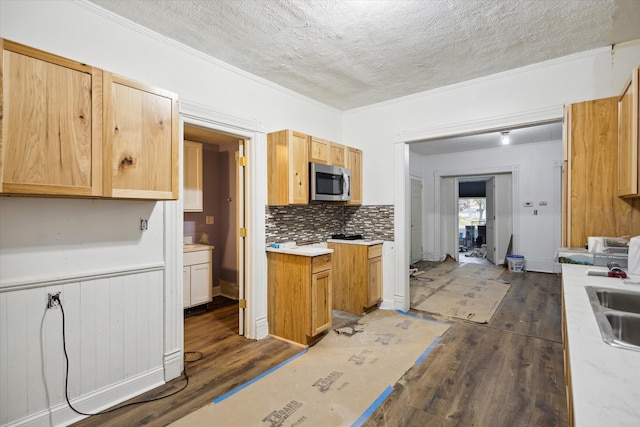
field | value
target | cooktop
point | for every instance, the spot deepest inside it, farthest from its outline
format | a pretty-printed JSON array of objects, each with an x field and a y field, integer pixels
[{"x": 347, "y": 236}]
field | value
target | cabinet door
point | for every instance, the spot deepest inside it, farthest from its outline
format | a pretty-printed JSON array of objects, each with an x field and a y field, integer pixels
[
  {"x": 141, "y": 140},
  {"x": 354, "y": 162},
  {"x": 374, "y": 286},
  {"x": 192, "y": 186},
  {"x": 200, "y": 284},
  {"x": 628, "y": 139},
  {"x": 298, "y": 169},
  {"x": 319, "y": 150},
  {"x": 337, "y": 155},
  {"x": 51, "y": 116},
  {"x": 186, "y": 287},
  {"x": 320, "y": 302}
]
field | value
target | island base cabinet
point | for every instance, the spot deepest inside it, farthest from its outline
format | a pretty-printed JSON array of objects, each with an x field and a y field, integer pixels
[
  {"x": 299, "y": 296},
  {"x": 357, "y": 284}
]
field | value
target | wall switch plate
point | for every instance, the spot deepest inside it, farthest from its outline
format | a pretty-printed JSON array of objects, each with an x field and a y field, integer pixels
[
  {"x": 209, "y": 219},
  {"x": 527, "y": 204}
]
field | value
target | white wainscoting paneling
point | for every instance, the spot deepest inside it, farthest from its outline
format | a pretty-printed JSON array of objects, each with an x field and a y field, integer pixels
[{"x": 114, "y": 335}]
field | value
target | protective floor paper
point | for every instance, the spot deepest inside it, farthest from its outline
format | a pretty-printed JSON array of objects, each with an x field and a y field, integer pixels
[
  {"x": 470, "y": 292},
  {"x": 334, "y": 382}
]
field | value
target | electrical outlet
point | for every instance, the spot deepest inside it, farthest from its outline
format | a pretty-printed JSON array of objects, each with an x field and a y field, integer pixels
[
  {"x": 209, "y": 219},
  {"x": 53, "y": 299},
  {"x": 144, "y": 224}
]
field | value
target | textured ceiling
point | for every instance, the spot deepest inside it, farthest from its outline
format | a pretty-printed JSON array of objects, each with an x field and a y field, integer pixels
[{"x": 348, "y": 54}]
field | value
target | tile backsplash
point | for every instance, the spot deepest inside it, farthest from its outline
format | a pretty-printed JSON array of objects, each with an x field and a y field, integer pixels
[{"x": 317, "y": 222}]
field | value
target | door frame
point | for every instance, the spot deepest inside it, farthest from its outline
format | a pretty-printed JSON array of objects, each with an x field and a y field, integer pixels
[
  {"x": 402, "y": 185},
  {"x": 255, "y": 314}
]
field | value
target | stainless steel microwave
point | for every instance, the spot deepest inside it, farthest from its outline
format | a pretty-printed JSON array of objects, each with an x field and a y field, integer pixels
[{"x": 329, "y": 183}]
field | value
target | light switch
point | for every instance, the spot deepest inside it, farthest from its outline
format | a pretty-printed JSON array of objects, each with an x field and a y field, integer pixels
[{"x": 209, "y": 219}]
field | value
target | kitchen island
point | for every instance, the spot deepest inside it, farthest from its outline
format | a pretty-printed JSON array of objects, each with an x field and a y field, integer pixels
[{"x": 603, "y": 381}]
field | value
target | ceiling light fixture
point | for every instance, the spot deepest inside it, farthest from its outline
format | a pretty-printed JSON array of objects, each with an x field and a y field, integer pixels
[{"x": 505, "y": 138}]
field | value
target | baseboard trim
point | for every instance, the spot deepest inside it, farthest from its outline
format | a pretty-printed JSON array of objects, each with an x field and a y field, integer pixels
[
  {"x": 262, "y": 328},
  {"x": 94, "y": 402},
  {"x": 173, "y": 364}
]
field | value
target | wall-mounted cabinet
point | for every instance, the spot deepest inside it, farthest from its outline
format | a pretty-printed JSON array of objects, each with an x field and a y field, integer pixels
[
  {"x": 354, "y": 162},
  {"x": 591, "y": 206},
  {"x": 192, "y": 169},
  {"x": 337, "y": 155},
  {"x": 72, "y": 130},
  {"x": 629, "y": 138},
  {"x": 51, "y": 112},
  {"x": 288, "y": 156},
  {"x": 140, "y": 140},
  {"x": 287, "y": 168},
  {"x": 319, "y": 150}
]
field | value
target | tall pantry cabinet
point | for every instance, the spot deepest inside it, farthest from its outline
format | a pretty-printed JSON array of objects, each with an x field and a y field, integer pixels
[
  {"x": 72, "y": 130},
  {"x": 591, "y": 206}
]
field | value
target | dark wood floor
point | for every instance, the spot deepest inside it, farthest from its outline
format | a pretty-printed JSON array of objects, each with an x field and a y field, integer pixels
[{"x": 508, "y": 372}]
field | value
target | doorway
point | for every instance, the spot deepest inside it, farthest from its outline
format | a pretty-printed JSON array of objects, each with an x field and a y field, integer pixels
[{"x": 221, "y": 217}]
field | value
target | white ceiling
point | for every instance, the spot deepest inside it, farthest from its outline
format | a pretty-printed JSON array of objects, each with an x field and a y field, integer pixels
[
  {"x": 349, "y": 53},
  {"x": 540, "y": 133}
]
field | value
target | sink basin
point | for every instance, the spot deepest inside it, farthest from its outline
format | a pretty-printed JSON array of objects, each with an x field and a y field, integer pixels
[
  {"x": 625, "y": 329},
  {"x": 619, "y": 300},
  {"x": 618, "y": 315}
]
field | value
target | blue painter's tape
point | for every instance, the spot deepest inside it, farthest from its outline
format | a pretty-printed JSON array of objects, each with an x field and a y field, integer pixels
[
  {"x": 262, "y": 375},
  {"x": 427, "y": 351},
  {"x": 371, "y": 409}
]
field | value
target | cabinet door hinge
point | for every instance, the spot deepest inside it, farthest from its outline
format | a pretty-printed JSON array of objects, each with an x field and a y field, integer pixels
[
  {"x": 243, "y": 232},
  {"x": 242, "y": 303},
  {"x": 242, "y": 161}
]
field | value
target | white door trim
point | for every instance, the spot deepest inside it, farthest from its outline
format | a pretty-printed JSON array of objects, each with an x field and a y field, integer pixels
[{"x": 255, "y": 319}]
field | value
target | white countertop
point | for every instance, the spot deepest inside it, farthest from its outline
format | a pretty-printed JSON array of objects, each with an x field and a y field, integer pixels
[
  {"x": 605, "y": 380},
  {"x": 310, "y": 251},
  {"x": 196, "y": 247},
  {"x": 357, "y": 242}
]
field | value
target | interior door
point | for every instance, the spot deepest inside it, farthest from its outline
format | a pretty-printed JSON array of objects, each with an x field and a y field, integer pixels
[
  {"x": 449, "y": 217},
  {"x": 240, "y": 197},
  {"x": 490, "y": 212},
  {"x": 416, "y": 220}
]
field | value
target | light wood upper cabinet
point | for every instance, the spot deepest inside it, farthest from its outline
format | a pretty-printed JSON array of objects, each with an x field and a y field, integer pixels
[
  {"x": 337, "y": 155},
  {"x": 287, "y": 168},
  {"x": 319, "y": 150},
  {"x": 51, "y": 124},
  {"x": 192, "y": 186},
  {"x": 354, "y": 162},
  {"x": 591, "y": 205},
  {"x": 628, "y": 138},
  {"x": 140, "y": 140}
]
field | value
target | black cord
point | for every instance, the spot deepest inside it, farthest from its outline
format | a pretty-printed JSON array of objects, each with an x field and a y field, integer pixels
[{"x": 106, "y": 411}]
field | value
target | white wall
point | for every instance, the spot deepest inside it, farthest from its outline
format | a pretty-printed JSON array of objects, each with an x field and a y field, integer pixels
[
  {"x": 537, "y": 176},
  {"x": 63, "y": 244}
]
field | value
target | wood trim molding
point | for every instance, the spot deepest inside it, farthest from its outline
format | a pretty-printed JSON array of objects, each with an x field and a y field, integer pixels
[{"x": 43, "y": 282}]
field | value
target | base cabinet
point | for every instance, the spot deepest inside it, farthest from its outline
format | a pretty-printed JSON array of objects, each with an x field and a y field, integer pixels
[
  {"x": 197, "y": 278},
  {"x": 357, "y": 285},
  {"x": 299, "y": 296}
]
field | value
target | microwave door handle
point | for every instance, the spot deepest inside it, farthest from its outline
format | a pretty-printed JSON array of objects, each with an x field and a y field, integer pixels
[{"x": 346, "y": 184}]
